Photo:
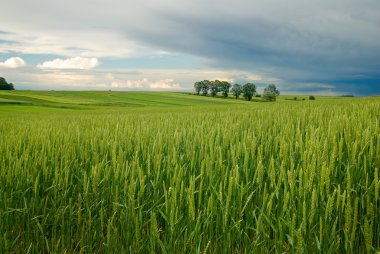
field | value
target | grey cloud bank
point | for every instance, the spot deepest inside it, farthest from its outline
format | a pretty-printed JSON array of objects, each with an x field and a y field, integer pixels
[{"x": 334, "y": 44}]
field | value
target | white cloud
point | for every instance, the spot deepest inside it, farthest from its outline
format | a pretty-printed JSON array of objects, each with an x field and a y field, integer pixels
[
  {"x": 13, "y": 62},
  {"x": 111, "y": 82},
  {"x": 238, "y": 76},
  {"x": 57, "y": 79},
  {"x": 139, "y": 84},
  {"x": 78, "y": 62},
  {"x": 65, "y": 77},
  {"x": 129, "y": 83},
  {"x": 165, "y": 84},
  {"x": 68, "y": 43}
]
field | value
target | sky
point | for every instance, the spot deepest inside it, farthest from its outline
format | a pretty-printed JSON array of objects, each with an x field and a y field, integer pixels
[{"x": 319, "y": 47}]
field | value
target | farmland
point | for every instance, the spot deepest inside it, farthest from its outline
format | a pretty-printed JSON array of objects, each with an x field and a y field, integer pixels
[{"x": 143, "y": 172}]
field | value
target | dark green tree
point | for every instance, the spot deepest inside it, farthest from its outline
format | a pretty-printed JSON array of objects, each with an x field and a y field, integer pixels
[
  {"x": 205, "y": 86},
  {"x": 214, "y": 87},
  {"x": 218, "y": 85},
  {"x": 225, "y": 88},
  {"x": 271, "y": 93},
  {"x": 249, "y": 89},
  {"x": 236, "y": 90},
  {"x": 4, "y": 85},
  {"x": 198, "y": 87}
]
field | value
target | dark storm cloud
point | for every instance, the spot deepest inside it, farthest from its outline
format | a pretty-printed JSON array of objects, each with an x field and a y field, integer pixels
[{"x": 336, "y": 47}]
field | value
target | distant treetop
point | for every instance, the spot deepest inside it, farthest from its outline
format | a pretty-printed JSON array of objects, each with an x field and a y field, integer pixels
[
  {"x": 271, "y": 92},
  {"x": 4, "y": 85}
]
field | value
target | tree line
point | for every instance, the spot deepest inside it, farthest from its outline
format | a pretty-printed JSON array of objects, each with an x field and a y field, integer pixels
[
  {"x": 248, "y": 90},
  {"x": 4, "y": 85}
]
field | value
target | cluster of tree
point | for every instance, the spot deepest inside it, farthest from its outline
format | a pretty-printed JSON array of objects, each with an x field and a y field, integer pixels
[
  {"x": 248, "y": 90},
  {"x": 213, "y": 86},
  {"x": 4, "y": 85}
]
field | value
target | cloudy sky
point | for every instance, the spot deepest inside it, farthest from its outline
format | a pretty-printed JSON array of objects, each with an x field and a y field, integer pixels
[{"x": 313, "y": 47}]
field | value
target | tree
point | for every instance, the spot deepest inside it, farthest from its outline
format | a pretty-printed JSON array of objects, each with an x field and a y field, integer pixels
[
  {"x": 236, "y": 90},
  {"x": 271, "y": 92},
  {"x": 198, "y": 87},
  {"x": 214, "y": 87},
  {"x": 4, "y": 85},
  {"x": 205, "y": 85},
  {"x": 225, "y": 88},
  {"x": 218, "y": 85},
  {"x": 249, "y": 89},
  {"x": 311, "y": 97}
]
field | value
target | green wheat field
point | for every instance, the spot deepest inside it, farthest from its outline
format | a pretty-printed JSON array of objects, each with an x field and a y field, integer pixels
[{"x": 160, "y": 172}]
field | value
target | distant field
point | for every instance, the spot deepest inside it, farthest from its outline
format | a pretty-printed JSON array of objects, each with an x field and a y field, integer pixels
[
  {"x": 88, "y": 100},
  {"x": 25, "y": 100},
  {"x": 160, "y": 172}
]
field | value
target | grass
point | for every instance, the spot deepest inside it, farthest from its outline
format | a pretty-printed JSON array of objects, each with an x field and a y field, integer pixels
[
  {"x": 110, "y": 172},
  {"x": 88, "y": 100}
]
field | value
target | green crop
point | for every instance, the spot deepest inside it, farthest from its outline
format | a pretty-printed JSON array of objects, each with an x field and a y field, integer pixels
[{"x": 231, "y": 178}]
